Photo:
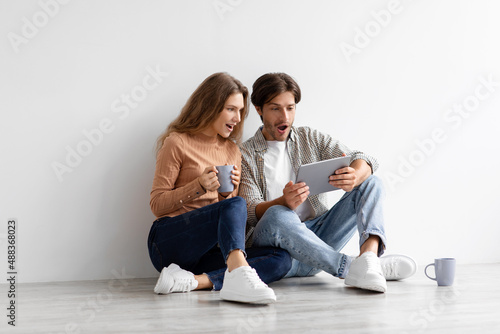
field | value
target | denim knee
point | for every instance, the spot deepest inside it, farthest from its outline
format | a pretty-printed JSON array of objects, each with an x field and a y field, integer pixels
[
  {"x": 236, "y": 201},
  {"x": 278, "y": 217},
  {"x": 373, "y": 183},
  {"x": 238, "y": 207}
]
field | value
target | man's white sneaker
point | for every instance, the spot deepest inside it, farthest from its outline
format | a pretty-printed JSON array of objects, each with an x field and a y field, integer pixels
[
  {"x": 396, "y": 267},
  {"x": 175, "y": 279},
  {"x": 365, "y": 272},
  {"x": 244, "y": 285}
]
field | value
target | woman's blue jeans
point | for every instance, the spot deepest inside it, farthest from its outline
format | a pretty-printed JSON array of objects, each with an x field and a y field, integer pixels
[
  {"x": 201, "y": 240},
  {"x": 315, "y": 244}
]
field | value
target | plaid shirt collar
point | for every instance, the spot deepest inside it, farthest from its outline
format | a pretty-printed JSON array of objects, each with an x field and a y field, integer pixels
[{"x": 261, "y": 142}]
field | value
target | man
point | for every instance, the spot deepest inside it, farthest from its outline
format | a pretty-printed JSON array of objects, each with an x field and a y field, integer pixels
[{"x": 280, "y": 212}]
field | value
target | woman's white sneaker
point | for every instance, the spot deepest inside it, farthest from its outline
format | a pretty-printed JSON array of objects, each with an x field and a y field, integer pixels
[
  {"x": 175, "y": 279},
  {"x": 244, "y": 285}
]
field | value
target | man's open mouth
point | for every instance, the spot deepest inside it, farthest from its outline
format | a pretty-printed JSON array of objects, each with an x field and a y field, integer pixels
[{"x": 282, "y": 128}]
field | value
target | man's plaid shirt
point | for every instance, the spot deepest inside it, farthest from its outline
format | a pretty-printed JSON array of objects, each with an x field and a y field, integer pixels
[{"x": 304, "y": 146}]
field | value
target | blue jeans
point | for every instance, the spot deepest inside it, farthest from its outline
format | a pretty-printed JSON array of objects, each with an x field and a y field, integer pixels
[
  {"x": 201, "y": 240},
  {"x": 315, "y": 244}
]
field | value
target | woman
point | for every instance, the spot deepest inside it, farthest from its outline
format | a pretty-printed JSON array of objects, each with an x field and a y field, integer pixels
[{"x": 198, "y": 228}]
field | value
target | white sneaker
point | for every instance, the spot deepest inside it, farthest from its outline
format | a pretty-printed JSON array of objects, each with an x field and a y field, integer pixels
[
  {"x": 365, "y": 272},
  {"x": 396, "y": 267},
  {"x": 244, "y": 285},
  {"x": 175, "y": 279}
]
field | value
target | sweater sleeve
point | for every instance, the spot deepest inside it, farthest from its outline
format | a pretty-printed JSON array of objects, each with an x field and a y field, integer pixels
[{"x": 165, "y": 196}]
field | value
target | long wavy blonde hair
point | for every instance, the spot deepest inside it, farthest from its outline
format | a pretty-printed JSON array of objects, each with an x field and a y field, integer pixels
[{"x": 205, "y": 104}]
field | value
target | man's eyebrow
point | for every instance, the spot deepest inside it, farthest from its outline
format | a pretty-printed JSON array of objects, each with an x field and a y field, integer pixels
[{"x": 277, "y": 104}]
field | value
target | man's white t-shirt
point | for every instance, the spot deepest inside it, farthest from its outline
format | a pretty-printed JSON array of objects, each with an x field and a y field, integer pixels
[{"x": 279, "y": 171}]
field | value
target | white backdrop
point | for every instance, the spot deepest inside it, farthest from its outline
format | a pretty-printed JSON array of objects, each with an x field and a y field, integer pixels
[{"x": 87, "y": 86}]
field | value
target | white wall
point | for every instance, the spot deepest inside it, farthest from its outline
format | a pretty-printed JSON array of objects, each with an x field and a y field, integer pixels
[{"x": 70, "y": 73}]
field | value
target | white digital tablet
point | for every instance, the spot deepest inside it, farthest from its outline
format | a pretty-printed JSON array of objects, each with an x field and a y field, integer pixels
[{"x": 316, "y": 174}]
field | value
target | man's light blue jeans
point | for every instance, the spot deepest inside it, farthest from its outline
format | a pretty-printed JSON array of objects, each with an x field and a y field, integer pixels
[{"x": 315, "y": 244}]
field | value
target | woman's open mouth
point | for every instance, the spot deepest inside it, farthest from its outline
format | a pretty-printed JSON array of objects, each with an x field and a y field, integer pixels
[{"x": 230, "y": 127}]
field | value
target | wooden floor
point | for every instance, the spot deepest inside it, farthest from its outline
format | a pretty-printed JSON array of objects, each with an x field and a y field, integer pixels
[{"x": 320, "y": 304}]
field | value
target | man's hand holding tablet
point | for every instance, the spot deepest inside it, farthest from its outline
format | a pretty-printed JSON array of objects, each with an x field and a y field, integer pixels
[
  {"x": 328, "y": 175},
  {"x": 344, "y": 178},
  {"x": 294, "y": 194}
]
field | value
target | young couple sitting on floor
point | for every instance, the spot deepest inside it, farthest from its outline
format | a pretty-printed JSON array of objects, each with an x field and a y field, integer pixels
[{"x": 268, "y": 227}]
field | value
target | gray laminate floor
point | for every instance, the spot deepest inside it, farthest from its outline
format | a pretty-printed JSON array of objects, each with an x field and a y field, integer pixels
[{"x": 320, "y": 304}]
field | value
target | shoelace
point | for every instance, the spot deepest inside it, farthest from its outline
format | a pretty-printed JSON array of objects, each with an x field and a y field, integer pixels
[
  {"x": 391, "y": 269},
  {"x": 374, "y": 266},
  {"x": 253, "y": 278},
  {"x": 182, "y": 284}
]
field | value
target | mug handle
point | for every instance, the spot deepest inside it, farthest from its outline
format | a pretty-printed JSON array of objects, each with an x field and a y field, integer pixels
[{"x": 425, "y": 271}]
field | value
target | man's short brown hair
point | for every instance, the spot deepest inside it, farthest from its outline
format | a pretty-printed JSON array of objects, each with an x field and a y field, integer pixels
[{"x": 270, "y": 85}]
